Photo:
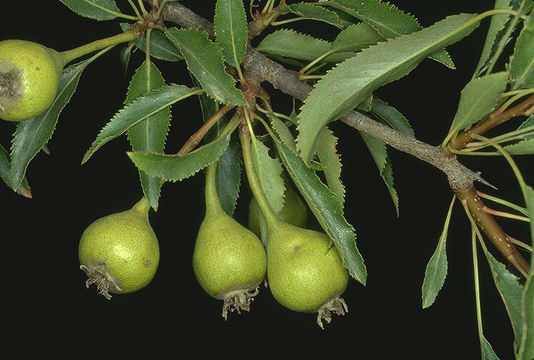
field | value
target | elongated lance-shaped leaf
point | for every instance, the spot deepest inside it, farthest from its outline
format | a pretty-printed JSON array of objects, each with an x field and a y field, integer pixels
[
  {"x": 487, "y": 350},
  {"x": 231, "y": 30},
  {"x": 138, "y": 110},
  {"x": 510, "y": 290},
  {"x": 380, "y": 155},
  {"x": 392, "y": 117},
  {"x": 522, "y": 62},
  {"x": 327, "y": 209},
  {"x": 205, "y": 61},
  {"x": 160, "y": 47},
  {"x": 436, "y": 269},
  {"x": 356, "y": 37},
  {"x": 31, "y": 135},
  {"x": 4, "y": 165},
  {"x": 526, "y": 344},
  {"x": 228, "y": 177},
  {"x": 331, "y": 162},
  {"x": 179, "y": 167},
  {"x": 150, "y": 134},
  {"x": 344, "y": 87},
  {"x": 525, "y": 147},
  {"x": 388, "y": 20},
  {"x": 478, "y": 98},
  {"x": 495, "y": 36},
  {"x": 282, "y": 130},
  {"x": 291, "y": 44},
  {"x": 94, "y": 9},
  {"x": 268, "y": 171},
  {"x": 314, "y": 12}
]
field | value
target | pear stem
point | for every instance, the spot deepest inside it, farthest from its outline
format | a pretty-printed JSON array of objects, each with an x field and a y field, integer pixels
[
  {"x": 253, "y": 181},
  {"x": 70, "y": 55},
  {"x": 213, "y": 205},
  {"x": 142, "y": 207}
]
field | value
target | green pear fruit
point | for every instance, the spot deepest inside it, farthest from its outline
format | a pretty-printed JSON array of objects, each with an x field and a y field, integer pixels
[
  {"x": 229, "y": 260},
  {"x": 29, "y": 78},
  {"x": 293, "y": 212},
  {"x": 305, "y": 271},
  {"x": 120, "y": 252}
]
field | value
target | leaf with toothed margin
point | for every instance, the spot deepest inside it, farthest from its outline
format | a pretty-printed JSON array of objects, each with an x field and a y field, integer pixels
[
  {"x": 94, "y": 9},
  {"x": 392, "y": 117},
  {"x": 160, "y": 47},
  {"x": 436, "y": 269},
  {"x": 291, "y": 44},
  {"x": 314, "y": 12},
  {"x": 268, "y": 171},
  {"x": 179, "y": 167},
  {"x": 331, "y": 162},
  {"x": 231, "y": 30},
  {"x": 205, "y": 61},
  {"x": 150, "y": 134},
  {"x": 24, "y": 188},
  {"x": 228, "y": 177},
  {"x": 282, "y": 130},
  {"x": 32, "y": 134},
  {"x": 138, "y": 110},
  {"x": 388, "y": 20},
  {"x": 345, "y": 86},
  {"x": 522, "y": 61},
  {"x": 380, "y": 155},
  {"x": 327, "y": 210}
]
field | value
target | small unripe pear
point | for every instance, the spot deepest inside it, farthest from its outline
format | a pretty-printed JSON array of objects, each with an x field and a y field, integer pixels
[
  {"x": 305, "y": 271},
  {"x": 29, "y": 78},
  {"x": 229, "y": 260},
  {"x": 120, "y": 252}
]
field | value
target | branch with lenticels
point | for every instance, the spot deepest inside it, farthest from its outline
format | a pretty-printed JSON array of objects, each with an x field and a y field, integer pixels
[{"x": 259, "y": 68}]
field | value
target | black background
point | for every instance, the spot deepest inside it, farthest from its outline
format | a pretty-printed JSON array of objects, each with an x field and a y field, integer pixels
[{"x": 49, "y": 310}]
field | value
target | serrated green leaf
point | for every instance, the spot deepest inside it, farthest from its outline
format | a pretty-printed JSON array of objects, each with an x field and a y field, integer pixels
[
  {"x": 138, "y": 110},
  {"x": 94, "y": 9},
  {"x": 268, "y": 171},
  {"x": 125, "y": 54},
  {"x": 487, "y": 350},
  {"x": 314, "y": 12},
  {"x": 205, "y": 60},
  {"x": 331, "y": 162},
  {"x": 344, "y": 87},
  {"x": 525, "y": 147},
  {"x": 282, "y": 130},
  {"x": 388, "y": 20},
  {"x": 4, "y": 165},
  {"x": 436, "y": 269},
  {"x": 392, "y": 117},
  {"x": 494, "y": 36},
  {"x": 355, "y": 38},
  {"x": 478, "y": 98},
  {"x": 379, "y": 153},
  {"x": 231, "y": 30},
  {"x": 179, "y": 167},
  {"x": 149, "y": 135},
  {"x": 526, "y": 345},
  {"x": 327, "y": 210},
  {"x": 291, "y": 44},
  {"x": 228, "y": 177},
  {"x": 32, "y": 134},
  {"x": 528, "y": 122},
  {"x": 160, "y": 47},
  {"x": 522, "y": 61},
  {"x": 510, "y": 290}
]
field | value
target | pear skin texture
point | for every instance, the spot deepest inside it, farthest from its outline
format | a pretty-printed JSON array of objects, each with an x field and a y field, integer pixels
[
  {"x": 127, "y": 244},
  {"x": 32, "y": 73},
  {"x": 293, "y": 212},
  {"x": 227, "y": 256},
  {"x": 304, "y": 270}
]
